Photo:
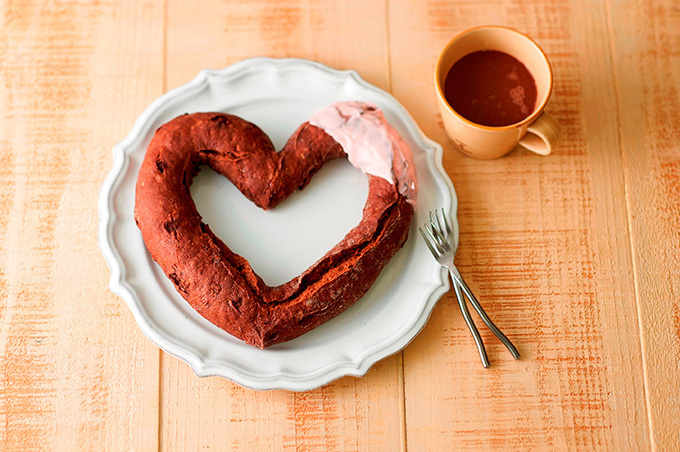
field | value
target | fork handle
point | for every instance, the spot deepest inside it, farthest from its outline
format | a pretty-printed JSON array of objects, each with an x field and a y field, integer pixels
[
  {"x": 471, "y": 324},
  {"x": 458, "y": 279}
]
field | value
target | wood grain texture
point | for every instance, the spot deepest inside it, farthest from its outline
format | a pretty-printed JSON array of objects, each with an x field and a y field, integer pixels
[
  {"x": 212, "y": 413},
  {"x": 350, "y": 414},
  {"x": 75, "y": 371},
  {"x": 645, "y": 41},
  {"x": 576, "y": 256},
  {"x": 544, "y": 243}
]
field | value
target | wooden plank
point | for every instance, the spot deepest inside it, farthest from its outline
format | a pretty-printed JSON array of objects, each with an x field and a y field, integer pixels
[
  {"x": 75, "y": 371},
  {"x": 350, "y": 414},
  {"x": 544, "y": 244},
  {"x": 646, "y": 55}
]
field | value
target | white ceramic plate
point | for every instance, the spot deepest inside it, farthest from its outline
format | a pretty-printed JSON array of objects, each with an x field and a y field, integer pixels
[{"x": 277, "y": 95}]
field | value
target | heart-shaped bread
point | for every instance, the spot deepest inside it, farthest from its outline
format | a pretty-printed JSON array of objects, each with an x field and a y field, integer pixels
[{"x": 221, "y": 285}]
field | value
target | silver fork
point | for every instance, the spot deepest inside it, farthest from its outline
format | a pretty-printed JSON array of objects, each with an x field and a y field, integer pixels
[{"x": 439, "y": 239}]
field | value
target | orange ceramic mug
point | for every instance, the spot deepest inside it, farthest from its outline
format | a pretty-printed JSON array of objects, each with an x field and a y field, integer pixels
[{"x": 538, "y": 132}]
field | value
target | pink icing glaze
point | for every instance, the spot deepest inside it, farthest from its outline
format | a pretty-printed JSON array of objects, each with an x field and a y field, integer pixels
[{"x": 372, "y": 145}]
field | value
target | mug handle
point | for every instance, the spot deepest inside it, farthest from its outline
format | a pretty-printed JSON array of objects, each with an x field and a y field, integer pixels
[{"x": 542, "y": 135}]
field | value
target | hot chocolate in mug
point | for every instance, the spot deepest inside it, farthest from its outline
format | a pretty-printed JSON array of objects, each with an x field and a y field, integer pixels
[{"x": 492, "y": 86}]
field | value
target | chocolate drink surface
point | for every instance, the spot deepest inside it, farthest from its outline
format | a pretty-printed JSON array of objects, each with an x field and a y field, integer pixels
[{"x": 491, "y": 88}]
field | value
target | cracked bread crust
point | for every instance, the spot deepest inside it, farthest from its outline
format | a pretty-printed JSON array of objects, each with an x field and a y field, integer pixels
[{"x": 221, "y": 285}]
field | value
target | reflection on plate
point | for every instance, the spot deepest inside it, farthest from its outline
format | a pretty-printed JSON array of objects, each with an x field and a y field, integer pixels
[{"x": 277, "y": 95}]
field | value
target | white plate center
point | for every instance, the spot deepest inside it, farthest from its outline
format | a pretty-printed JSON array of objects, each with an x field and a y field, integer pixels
[{"x": 283, "y": 242}]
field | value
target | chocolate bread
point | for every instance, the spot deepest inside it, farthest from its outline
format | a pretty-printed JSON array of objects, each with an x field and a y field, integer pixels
[{"x": 221, "y": 285}]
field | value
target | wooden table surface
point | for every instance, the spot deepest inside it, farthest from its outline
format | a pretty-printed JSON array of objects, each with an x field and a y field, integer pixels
[{"x": 576, "y": 255}]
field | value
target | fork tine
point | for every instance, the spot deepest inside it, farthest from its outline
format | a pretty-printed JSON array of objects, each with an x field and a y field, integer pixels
[
  {"x": 431, "y": 229},
  {"x": 439, "y": 224},
  {"x": 441, "y": 237},
  {"x": 436, "y": 237},
  {"x": 434, "y": 252},
  {"x": 446, "y": 223},
  {"x": 439, "y": 241}
]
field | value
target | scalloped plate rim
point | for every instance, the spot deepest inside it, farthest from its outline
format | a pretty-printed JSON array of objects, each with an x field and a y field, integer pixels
[{"x": 283, "y": 379}]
